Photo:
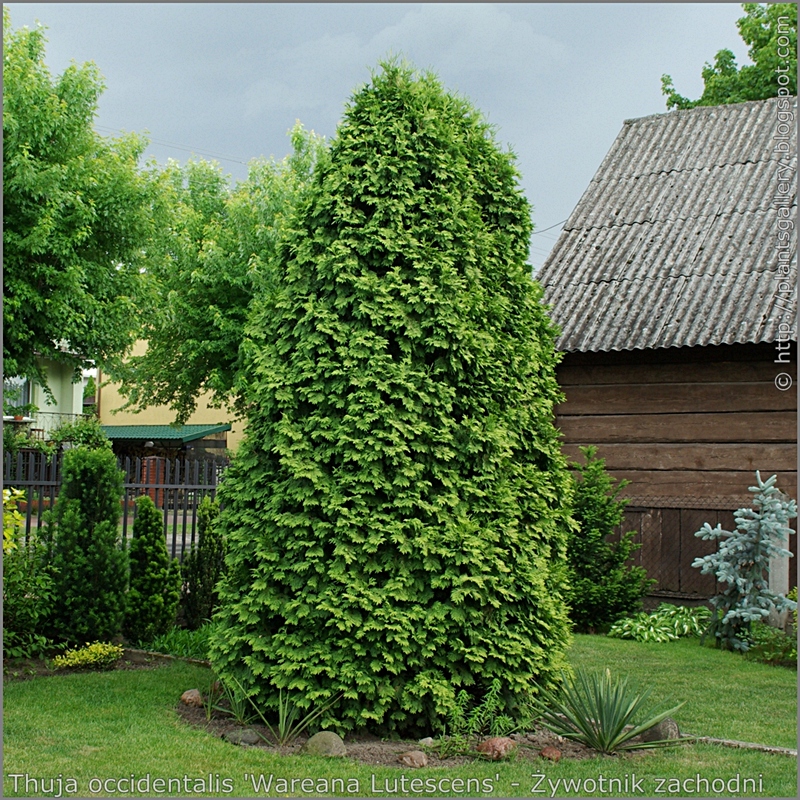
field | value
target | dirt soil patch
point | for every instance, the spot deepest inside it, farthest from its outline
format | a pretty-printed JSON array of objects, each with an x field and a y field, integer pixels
[
  {"x": 20, "y": 669},
  {"x": 374, "y": 751}
]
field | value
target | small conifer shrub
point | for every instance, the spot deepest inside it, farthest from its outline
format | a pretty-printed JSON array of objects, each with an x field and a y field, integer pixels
[
  {"x": 742, "y": 562},
  {"x": 396, "y": 515},
  {"x": 99, "y": 655},
  {"x": 203, "y": 567},
  {"x": 88, "y": 565},
  {"x": 154, "y": 577},
  {"x": 603, "y": 586}
]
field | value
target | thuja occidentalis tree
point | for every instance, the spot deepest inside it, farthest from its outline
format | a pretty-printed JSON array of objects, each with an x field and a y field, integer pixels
[
  {"x": 155, "y": 578},
  {"x": 396, "y": 516},
  {"x": 89, "y": 567},
  {"x": 604, "y": 586},
  {"x": 742, "y": 561}
]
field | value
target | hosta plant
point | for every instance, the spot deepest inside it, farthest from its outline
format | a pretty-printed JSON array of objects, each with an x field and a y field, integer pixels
[
  {"x": 603, "y": 712},
  {"x": 665, "y": 624},
  {"x": 643, "y": 627}
]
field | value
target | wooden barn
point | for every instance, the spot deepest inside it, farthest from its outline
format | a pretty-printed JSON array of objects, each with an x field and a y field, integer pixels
[{"x": 673, "y": 283}]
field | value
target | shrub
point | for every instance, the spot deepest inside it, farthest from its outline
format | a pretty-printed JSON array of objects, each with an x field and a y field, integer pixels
[
  {"x": 396, "y": 515},
  {"x": 742, "y": 561},
  {"x": 771, "y": 645},
  {"x": 27, "y": 585},
  {"x": 93, "y": 656},
  {"x": 90, "y": 569},
  {"x": 155, "y": 582},
  {"x": 86, "y": 431},
  {"x": 603, "y": 586},
  {"x": 665, "y": 624},
  {"x": 203, "y": 567}
]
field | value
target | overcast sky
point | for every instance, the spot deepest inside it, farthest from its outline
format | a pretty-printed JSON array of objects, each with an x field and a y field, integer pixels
[{"x": 228, "y": 80}]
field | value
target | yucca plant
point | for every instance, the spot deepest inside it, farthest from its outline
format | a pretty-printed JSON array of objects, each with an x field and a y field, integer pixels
[
  {"x": 289, "y": 727},
  {"x": 602, "y": 712}
]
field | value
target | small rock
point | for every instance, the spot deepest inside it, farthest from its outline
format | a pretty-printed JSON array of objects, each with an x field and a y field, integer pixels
[
  {"x": 413, "y": 758},
  {"x": 427, "y": 741},
  {"x": 325, "y": 743},
  {"x": 245, "y": 736},
  {"x": 551, "y": 753},
  {"x": 497, "y": 748},
  {"x": 666, "y": 729},
  {"x": 192, "y": 697}
]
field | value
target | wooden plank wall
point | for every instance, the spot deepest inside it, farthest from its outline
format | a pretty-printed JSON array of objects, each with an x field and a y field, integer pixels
[{"x": 688, "y": 427}]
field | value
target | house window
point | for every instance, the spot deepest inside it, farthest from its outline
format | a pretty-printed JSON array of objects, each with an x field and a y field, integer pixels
[{"x": 16, "y": 392}]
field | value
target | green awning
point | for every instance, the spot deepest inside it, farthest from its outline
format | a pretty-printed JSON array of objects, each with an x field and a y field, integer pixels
[{"x": 163, "y": 433}]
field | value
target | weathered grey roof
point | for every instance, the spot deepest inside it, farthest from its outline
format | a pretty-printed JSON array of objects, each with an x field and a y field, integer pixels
[{"x": 675, "y": 241}]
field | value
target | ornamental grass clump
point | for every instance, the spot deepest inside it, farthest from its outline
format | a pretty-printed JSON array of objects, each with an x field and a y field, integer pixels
[
  {"x": 396, "y": 515},
  {"x": 603, "y": 712},
  {"x": 742, "y": 561}
]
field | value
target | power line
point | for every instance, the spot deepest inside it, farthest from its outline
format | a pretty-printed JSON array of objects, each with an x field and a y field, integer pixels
[
  {"x": 180, "y": 147},
  {"x": 536, "y": 233}
]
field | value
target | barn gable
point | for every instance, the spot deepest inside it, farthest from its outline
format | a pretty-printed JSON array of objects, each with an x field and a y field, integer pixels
[{"x": 675, "y": 292}]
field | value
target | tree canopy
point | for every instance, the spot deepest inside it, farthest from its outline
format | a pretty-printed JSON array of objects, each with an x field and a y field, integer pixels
[
  {"x": 216, "y": 255},
  {"x": 78, "y": 216},
  {"x": 396, "y": 514},
  {"x": 771, "y": 32}
]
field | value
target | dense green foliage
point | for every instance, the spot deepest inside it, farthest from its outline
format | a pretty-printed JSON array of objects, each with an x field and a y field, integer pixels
[
  {"x": 203, "y": 567},
  {"x": 154, "y": 579},
  {"x": 86, "y": 431},
  {"x": 742, "y": 562},
  {"x": 771, "y": 645},
  {"x": 99, "y": 655},
  {"x": 771, "y": 32},
  {"x": 27, "y": 585},
  {"x": 218, "y": 255},
  {"x": 78, "y": 216},
  {"x": 396, "y": 515},
  {"x": 603, "y": 586},
  {"x": 90, "y": 568},
  {"x": 182, "y": 642}
]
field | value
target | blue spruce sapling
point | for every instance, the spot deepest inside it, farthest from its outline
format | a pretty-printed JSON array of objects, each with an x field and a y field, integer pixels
[{"x": 742, "y": 561}]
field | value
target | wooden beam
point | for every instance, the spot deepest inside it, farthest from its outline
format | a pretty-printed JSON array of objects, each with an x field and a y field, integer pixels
[
  {"x": 774, "y": 426},
  {"x": 648, "y": 398},
  {"x": 765, "y": 456},
  {"x": 723, "y": 372}
]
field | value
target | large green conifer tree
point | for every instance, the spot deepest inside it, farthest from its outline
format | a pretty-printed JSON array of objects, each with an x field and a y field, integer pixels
[{"x": 397, "y": 513}]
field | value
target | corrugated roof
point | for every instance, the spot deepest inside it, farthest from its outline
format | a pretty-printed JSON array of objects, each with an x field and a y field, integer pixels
[
  {"x": 675, "y": 241},
  {"x": 184, "y": 433}
]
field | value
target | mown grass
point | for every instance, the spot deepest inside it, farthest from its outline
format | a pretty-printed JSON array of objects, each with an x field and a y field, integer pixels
[
  {"x": 727, "y": 696},
  {"x": 117, "y": 724}
]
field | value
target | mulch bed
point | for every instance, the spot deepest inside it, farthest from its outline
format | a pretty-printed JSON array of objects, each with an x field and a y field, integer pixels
[
  {"x": 374, "y": 751},
  {"x": 21, "y": 669}
]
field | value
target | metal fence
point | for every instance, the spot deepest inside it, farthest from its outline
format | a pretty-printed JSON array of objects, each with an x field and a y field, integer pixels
[{"x": 176, "y": 486}]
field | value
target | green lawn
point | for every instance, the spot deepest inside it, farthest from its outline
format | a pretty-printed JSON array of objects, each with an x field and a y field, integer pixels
[{"x": 96, "y": 727}]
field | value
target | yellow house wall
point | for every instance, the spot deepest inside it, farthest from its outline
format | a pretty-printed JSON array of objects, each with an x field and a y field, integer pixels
[{"x": 110, "y": 399}]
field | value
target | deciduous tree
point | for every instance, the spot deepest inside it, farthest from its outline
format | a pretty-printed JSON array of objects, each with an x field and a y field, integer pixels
[
  {"x": 78, "y": 214},
  {"x": 771, "y": 32}
]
